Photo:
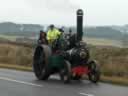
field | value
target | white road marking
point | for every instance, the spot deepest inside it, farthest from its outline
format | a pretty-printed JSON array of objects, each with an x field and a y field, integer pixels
[
  {"x": 21, "y": 82},
  {"x": 84, "y": 94}
]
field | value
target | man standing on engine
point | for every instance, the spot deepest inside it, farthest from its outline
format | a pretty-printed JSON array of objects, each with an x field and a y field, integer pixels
[{"x": 52, "y": 34}]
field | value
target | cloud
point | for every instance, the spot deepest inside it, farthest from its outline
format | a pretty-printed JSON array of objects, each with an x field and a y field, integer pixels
[
  {"x": 53, "y": 5},
  {"x": 61, "y": 5}
]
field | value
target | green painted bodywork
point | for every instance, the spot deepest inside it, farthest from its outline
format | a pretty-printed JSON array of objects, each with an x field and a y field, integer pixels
[{"x": 56, "y": 61}]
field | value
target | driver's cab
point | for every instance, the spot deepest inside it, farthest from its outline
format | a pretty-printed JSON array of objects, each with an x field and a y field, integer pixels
[{"x": 64, "y": 42}]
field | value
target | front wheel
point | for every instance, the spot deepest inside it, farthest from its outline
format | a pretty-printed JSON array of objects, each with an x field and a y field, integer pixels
[
  {"x": 65, "y": 73},
  {"x": 94, "y": 74}
]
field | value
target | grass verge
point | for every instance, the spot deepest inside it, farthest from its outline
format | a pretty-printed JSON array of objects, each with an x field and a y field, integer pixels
[
  {"x": 115, "y": 80},
  {"x": 16, "y": 67},
  {"x": 106, "y": 79}
]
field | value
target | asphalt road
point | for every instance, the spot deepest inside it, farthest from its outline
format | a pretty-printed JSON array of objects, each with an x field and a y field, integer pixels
[{"x": 18, "y": 83}]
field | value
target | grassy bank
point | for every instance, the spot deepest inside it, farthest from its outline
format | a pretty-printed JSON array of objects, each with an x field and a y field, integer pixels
[
  {"x": 113, "y": 60},
  {"x": 15, "y": 54},
  {"x": 115, "y": 80}
]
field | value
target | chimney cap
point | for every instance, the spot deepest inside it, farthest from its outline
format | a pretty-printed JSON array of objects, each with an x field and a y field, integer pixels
[{"x": 80, "y": 12}]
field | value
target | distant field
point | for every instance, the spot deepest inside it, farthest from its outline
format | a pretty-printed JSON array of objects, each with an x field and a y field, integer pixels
[
  {"x": 12, "y": 38},
  {"x": 102, "y": 42},
  {"x": 89, "y": 40}
]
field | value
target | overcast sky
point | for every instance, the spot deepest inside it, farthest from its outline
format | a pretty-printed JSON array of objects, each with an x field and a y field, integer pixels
[{"x": 63, "y": 12}]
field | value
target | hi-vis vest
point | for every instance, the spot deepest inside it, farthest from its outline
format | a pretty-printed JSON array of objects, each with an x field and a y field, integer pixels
[{"x": 53, "y": 34}]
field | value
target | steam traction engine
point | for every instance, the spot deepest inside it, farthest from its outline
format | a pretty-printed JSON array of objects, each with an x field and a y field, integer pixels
[{"x": 68, "y": 56}]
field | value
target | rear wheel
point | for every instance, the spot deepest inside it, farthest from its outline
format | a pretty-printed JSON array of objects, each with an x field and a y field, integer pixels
[
  {"x": 94, "y": 74},
  {"x": 41, "y": 70}
]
